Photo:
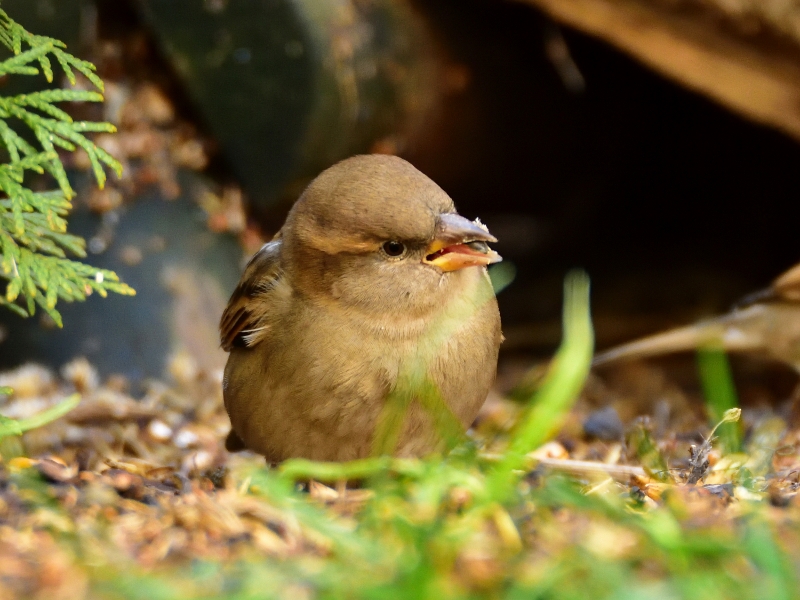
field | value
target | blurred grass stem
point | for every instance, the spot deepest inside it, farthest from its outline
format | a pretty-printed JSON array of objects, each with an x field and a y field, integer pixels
[
  {"x": 551, "y": 403},
  {"x": 720, "y": 394}
]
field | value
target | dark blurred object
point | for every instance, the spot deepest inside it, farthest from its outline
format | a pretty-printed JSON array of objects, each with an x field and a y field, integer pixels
[
  {"x": 182, "y": 273},
  {"x": 291, "y": 86},
  {"x": 743, "y": 54},
  {"x": 604, "y": 424}
]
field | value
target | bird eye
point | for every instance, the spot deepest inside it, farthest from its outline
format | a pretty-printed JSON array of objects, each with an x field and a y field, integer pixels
[{"x": 394, "y": 249}]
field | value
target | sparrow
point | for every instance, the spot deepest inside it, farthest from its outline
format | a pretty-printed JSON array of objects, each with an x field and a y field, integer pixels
[
  {"x": 767, "y": 322},
  {"x": 374, "y": 288}
]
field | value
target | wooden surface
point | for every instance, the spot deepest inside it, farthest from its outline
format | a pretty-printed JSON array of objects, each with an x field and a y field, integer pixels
[{"x": 748, "y": 60}]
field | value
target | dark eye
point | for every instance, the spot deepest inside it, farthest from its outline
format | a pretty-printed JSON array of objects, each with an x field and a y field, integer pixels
[{"x": 393, "y": 248}]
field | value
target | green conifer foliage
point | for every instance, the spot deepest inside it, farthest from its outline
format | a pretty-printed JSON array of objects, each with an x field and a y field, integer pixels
[{"x": 33, "y": 230}]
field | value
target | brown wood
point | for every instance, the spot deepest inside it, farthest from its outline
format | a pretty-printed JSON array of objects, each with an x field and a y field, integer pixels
[{"x": 755, "y": 72}]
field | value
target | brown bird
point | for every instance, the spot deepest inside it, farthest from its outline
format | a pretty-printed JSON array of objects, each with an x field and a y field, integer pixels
[
  {"x": 767, "y": 322},
  {"x": 373, "y": 288}
]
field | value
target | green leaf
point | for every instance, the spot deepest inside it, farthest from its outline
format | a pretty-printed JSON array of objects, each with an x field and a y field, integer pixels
[
  {"x": 33, "y": 226},
  {"x": 13, "y": 289}
]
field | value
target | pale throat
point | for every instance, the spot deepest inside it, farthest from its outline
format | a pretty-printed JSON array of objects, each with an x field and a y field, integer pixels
[{"x": 453, "y": 307}]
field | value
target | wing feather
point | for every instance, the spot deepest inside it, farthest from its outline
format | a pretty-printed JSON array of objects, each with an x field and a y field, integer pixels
[{"x": 243, "y": 320}]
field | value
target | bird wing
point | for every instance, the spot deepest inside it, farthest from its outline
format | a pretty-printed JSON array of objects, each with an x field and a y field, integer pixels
[{"x": 243, "y": 320}]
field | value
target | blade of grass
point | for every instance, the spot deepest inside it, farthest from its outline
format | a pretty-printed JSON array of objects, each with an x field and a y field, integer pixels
[
  {"x": 502, "y": 275},
  {"x": 299, "y": 468},
  {"x": 771, "y": 560},
  {"x": 19, "y": 426},
  {"x": 560, "y": 388},
  {"x": 720, "y": 393}
]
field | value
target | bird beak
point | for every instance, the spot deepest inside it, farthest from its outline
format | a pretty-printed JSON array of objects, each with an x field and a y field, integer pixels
[{"x": 459, "y": 243}]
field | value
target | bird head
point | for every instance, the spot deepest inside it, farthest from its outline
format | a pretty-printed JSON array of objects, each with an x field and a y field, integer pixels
[{"x": 374, "y": 232}]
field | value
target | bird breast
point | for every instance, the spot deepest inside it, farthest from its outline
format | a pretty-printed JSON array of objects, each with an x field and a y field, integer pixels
[{"x": 316, "y": 387}]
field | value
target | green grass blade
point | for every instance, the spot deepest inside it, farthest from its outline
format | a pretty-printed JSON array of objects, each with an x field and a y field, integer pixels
[
  {"x": 720, "y": 394},
  {"x": 51, "y": 414},
  {"x": 560, "y": 388}
]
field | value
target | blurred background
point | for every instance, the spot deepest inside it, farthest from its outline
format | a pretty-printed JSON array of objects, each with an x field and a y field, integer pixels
[{"x": 653, "y": 143}]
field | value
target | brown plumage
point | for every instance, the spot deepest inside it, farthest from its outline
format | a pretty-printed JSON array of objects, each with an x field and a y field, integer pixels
[
  {"x": 373, "y": 273},
  {"x": 767, "y": 323}
]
